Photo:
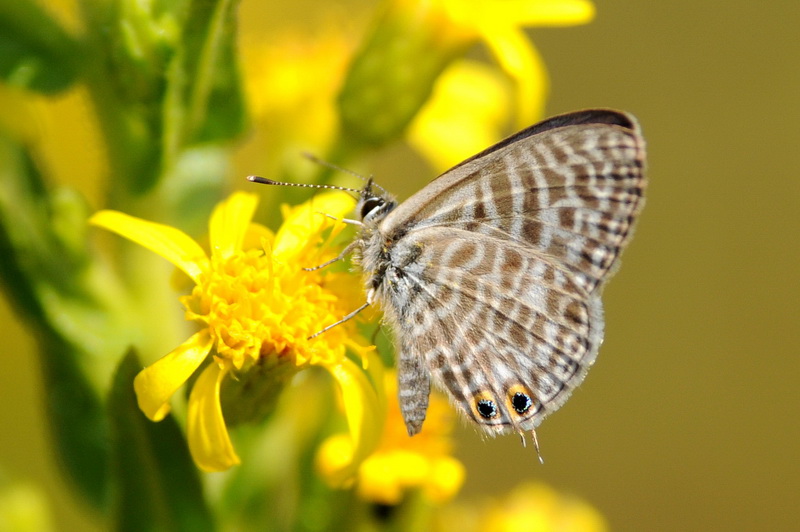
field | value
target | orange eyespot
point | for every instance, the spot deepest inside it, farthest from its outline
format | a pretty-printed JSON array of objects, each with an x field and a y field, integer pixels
[
  {"x": 519, "y": 399},
  {"x": 484, "y": 405}
]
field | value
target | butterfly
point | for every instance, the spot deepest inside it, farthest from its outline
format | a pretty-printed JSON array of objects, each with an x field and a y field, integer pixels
[{"x": 491, "y": 275}]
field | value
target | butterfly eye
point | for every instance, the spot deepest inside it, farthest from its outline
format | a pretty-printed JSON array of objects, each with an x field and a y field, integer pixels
[
  {"x": 486, "y": 408},
  {"x": 369, "y": 205},
  {"x": 521, "y": 402}
]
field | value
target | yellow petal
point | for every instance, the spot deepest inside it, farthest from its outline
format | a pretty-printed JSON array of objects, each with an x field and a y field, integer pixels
[
  {"x": 544, "y": 12},
  {"x": 533, "y": 503},
  {"x": 445, "y": 478},
  {"x": 209, "y": 442},
  {"x": 172, "y": 244},
  {"x": 258, "y": 236},
  {"x": 155, "y": 384},
  {"x": 334, "y": 456},
  {"x": 442, "y": 132},
  {"x": 229, "y": 223},
  {"x": 520, "y": 60},
  {"x": 384, "y": 477},
  {"x": 307, "y": 220},
  {"x": 365, "y": 419}
]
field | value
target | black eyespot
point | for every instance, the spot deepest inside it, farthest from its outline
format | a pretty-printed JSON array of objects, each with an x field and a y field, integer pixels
[
  {"x": 371, "y": 204},
  {"x": 486, "y": 408},
  {"x": 521, "y": 402}
]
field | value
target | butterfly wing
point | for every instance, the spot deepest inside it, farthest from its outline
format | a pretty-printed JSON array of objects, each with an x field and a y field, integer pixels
[
  {"x": 503, "y": 330},
  {"x": 569, "y": 187},
  {"x": 493, "y": 275}
]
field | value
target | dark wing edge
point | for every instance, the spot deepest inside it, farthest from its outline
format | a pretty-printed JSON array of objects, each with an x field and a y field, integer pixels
[{"x": 587, "y": 116}]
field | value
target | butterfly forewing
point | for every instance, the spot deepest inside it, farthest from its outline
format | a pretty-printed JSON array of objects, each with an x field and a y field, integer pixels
[
  {"x": 491, "y": 274},
  {"x": 571, "y": 193}
]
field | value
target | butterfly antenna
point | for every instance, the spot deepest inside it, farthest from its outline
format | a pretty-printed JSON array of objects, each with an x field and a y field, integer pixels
[
  {"x": 313, "y": 158},
  {"x": 267, "y": 181}
]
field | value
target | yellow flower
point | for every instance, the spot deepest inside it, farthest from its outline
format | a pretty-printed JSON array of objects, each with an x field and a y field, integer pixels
[
  {"x": 256, "y": 308},
  {"x": 413, "y": 42},
  {"x": 401, "y": 463},
  {"x": 23, "y": 507},
  {"x": 529, "y": 507},
  {"x": 443, "y": 133},
  {"x": 535, "y": 507},
  {"x": 499, "y": 24},
  {"x": 291, "y": 81}
]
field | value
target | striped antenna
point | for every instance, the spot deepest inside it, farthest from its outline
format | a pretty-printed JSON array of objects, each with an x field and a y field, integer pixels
[
  {"x": 267, "y": 181},
  {"x": 314, "y": 159}
]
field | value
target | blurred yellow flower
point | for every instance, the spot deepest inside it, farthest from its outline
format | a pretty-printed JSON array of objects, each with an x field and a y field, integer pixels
[
  {"x": 291, "y": 80},
  {"x": 64, "y": 133},
  {"x": 406, "y": 58},
  {"x": 533, "y": 507},
  {"x": 443, "y": 133},
  {"x": 24, "y": 508},
  {"x": 529, "y": 507},
  {"x": 257, "y": 308},
  {"x": 401, "y": 463},
  {"x": 499, "y": 24}
]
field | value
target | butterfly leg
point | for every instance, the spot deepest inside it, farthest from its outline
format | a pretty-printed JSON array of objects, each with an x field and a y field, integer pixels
[
  {"x": 346, "y": 251},
  {"x": 332, "y": 325}
]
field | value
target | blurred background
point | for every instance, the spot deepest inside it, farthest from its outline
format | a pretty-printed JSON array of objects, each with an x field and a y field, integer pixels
[{"x": 689, "y": 419}]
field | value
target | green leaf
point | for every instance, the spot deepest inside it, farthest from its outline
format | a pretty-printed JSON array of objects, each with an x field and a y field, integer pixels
[
  {"x": 166, "y": 81},
  {"x": 77, "y": 418},
  {"x": 47, "y": 270},
  {"x": 226, "y": 114},
  {"x": 381, "y": 95},
  {"x": 216, "y": 105},
  {"x": 132, "y": 44},
  {"x": 157, "y": 484},
  {"x": 36, "y": 53},
  {"x": 40, "y": 271},
  {"x": 204, "y": 101},
  {"x": 16, "y": 168}
]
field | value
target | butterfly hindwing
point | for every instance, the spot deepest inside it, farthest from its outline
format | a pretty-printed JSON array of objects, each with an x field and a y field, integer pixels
[{"x": 490, "y": 322}]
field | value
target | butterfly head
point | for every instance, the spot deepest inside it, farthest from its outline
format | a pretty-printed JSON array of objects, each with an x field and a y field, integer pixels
[{"x": 373, "y": 207}]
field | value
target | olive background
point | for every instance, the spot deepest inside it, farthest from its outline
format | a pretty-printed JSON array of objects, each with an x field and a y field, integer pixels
[{"x": 689, "y": 419}]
